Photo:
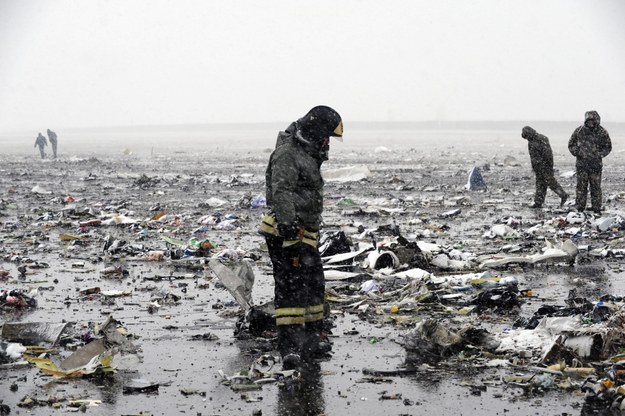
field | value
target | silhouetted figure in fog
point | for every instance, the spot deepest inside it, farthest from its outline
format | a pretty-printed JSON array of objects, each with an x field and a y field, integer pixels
[
  {"x": 541, "y": 157},
  {"x": 589, "y": 143},
  {"x": 41, "y": 142},
  {"x": 53, "y": 141}
]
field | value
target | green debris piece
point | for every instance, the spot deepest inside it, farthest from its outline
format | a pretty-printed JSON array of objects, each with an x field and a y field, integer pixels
[
  {"x": 345, "y": 202},
  {"x": 172, "y": 241}
]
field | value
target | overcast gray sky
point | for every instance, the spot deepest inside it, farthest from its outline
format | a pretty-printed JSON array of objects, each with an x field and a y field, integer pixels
[{"x": 122, "y": 62}]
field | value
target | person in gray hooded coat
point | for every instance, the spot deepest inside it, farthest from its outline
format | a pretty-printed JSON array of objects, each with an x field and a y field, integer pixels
[
  {"x": 52, "y": 137},
  {"x": 41, "y": 142},
  {"x": 541, "y": 157},
  {"x": 589, "y": 143}
]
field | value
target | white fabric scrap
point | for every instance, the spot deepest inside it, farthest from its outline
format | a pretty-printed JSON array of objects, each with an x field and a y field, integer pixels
[{"x": 346, "y": 174}]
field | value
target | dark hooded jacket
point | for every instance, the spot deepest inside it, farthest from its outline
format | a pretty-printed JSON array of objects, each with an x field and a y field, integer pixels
[
  {"x": 293, "y": 179},
  {"x": 539, "y": 150},
  {"x": 590, "y": 144},
  {"x": 40, "y": 141},
  {"x": 52, "y": 137}
]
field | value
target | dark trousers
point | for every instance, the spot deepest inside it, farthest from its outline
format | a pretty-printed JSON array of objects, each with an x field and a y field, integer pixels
[
  {"x": 299, "y": 295},
  {"x": 542, "y": 183},
  {"x": 587, "y": 178}
]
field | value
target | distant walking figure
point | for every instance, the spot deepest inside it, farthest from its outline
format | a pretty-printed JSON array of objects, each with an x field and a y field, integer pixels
[
  {"x": 589, "y": 143},
  {"x": 541, "y": 157},
  {"x": 41, "y": 142},
  {"x": 53, "y": 141}
]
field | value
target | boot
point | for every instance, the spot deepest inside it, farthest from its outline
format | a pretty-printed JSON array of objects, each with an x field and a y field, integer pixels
[
  {"x": 563, "y": 198},
  {"x": 317, "y": 344},
  {"x": 315, "y": 349},
  {"x": 291, "y": 361},
  {"x": 290, "y": 345}
]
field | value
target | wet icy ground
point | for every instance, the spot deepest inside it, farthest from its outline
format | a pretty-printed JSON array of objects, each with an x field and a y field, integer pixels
[{"x": 419, "y": 172}]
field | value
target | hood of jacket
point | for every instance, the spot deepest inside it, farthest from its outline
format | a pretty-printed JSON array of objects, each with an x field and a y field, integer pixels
[
  {"x": 294, "y": 134},
  {"x": 528, "y": 133},
  {"x": 592, "y": 116}
]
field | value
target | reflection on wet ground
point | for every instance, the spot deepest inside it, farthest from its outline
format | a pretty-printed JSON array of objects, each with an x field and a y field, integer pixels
[{"x": 304, "y": 396}]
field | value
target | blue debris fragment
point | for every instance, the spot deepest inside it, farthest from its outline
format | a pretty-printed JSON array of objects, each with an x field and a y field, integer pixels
[{"x": 476, "y": 181}]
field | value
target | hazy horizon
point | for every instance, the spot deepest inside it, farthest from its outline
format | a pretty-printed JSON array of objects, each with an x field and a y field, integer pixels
[
  {"x": 193, "y": 140},
  {"x": 427, "y": 124}
]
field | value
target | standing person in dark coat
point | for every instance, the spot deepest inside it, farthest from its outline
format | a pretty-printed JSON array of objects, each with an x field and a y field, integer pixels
[
  {"x": 589, "y": 143},
  {"x": 541, "y": 157},
  {"x": 53, "y": 141},
  {"x": 295, "y": 197},
  {"x": 41, "y": 142}
]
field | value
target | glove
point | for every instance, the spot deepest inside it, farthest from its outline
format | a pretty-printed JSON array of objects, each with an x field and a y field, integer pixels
[{"x": 289, "y": 231}]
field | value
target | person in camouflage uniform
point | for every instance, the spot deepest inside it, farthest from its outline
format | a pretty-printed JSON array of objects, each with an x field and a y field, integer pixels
[
  {"x": 589, "y": 143},
  {"x": 53, "y": 141},
  {"x": 41, "y": 142},
  {"x": 295, "y": 197},
  {"x": 541, "y": 157}
]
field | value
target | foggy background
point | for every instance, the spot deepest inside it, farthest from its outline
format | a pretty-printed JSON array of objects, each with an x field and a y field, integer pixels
[{"x": 82, "y": 64}]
